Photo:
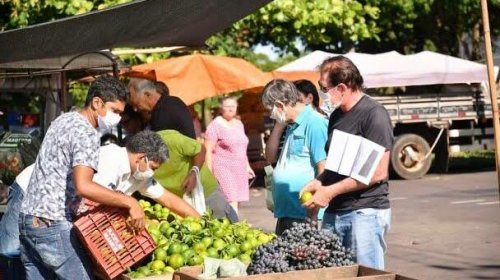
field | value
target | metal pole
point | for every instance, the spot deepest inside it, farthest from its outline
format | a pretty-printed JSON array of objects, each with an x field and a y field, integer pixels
[{"x": 492, "y": 85}]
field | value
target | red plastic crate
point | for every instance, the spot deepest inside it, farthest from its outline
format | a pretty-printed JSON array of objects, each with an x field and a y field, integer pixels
[{"x": 111, "y": 244}]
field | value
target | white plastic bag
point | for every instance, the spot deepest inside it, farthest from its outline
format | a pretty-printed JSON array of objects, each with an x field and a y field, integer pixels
[{"x": 197, "y": 197}]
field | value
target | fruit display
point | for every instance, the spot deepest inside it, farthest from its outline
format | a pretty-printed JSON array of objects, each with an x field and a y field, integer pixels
[
  {"x": 301, "y": 247},
  {"x": 187, "y": 241}
]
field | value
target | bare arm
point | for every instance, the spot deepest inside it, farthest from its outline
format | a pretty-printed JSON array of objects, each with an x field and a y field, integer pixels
[
  {"x": 273, "y": 142},
  {"x": 323, "y": 195},
  {"x": 209, "y": 145},
  {"x": 320, "y": 166},
  {"x": 190, "y": 181},
  {"x": 177, "y": 205},
  {"x": 86, "y": 188}
]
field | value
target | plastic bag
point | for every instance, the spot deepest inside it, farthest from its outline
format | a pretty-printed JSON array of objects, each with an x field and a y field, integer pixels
[
  {"x": 269, "y": 187},
  {"x": 217, "y": 268},
  {"x": 197, "y": 197}
]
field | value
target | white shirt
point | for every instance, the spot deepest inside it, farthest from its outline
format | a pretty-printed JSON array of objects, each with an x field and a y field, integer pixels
[{"x": 113, "y": 172}]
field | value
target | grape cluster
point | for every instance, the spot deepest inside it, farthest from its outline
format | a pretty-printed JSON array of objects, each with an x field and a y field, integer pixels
[{"x": 301, "y": 247}]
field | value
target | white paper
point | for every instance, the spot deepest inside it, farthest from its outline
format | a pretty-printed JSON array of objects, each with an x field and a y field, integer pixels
[
  {"x": 369, "y": 156},
  {"x": 353, "y": 156},
  {"x": 336, "y": 151},
  {"x": 349, "y": 158}
]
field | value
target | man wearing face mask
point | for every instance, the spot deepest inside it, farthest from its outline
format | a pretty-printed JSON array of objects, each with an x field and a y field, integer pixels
[
  {"x": 62, "y": 176},
  {"x": 303, "y": 155},
  {"x": 126, "y": 170},
  {"x": 358, "y": 213}
]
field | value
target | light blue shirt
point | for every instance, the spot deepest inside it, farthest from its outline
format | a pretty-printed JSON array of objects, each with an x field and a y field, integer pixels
[{"x": 304, "y": 147}]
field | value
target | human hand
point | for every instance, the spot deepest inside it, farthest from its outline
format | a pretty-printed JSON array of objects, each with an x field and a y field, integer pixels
[
  {"x": 189, "y": 182},
  {"x": 321, "y": 195},
  {"x": 251, "y": 173},
  {"x": 136, "y": 219}
]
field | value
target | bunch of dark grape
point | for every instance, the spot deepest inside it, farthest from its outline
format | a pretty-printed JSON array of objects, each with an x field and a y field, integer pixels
[
  {"x": 268, "y": 258},
  {"x": 302, "y": 246}
]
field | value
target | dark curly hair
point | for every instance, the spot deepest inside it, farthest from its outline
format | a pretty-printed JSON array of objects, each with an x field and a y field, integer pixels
[{"x": 109, "y": 89}]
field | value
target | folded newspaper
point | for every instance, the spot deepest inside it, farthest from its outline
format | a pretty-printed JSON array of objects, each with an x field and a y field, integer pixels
[{"x": 353, "y": 156}]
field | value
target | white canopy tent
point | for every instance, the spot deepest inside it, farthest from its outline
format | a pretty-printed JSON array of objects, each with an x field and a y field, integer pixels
[{"x": 392, "y": 69}]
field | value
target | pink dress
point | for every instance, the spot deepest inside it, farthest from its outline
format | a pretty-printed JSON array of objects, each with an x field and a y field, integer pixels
[{"x": 229, "y": 158}]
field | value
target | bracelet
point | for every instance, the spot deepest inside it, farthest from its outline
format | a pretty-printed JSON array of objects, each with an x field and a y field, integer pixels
[{"x": 195, "y": 169}]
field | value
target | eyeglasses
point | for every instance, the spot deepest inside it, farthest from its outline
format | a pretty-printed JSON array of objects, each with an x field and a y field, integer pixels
[{"x": 323, "y": 88}]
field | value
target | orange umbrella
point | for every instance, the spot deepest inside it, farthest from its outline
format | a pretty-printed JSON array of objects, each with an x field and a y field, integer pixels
[{"x": 196, "y": 77}]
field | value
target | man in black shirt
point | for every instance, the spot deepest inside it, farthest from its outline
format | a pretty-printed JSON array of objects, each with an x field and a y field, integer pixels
[
  {"x": 166, "y": 112},
  {"x": 358, "y": 213}
]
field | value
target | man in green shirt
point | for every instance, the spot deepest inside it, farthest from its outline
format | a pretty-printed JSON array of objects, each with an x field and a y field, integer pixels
[{"x": 178, "y": 176}]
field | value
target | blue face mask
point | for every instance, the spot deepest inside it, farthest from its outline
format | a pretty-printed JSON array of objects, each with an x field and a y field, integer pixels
[{"x": 144, "y": 175}]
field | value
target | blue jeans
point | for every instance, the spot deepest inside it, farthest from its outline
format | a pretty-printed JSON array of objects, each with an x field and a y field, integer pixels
[
  {"x": 9, "y": 229},
  {"x": 363, "y": 231},
  {"x": 51, "y": 249}
]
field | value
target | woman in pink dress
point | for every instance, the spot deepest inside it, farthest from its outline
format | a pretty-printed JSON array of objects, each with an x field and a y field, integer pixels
[{"x": 226, "y": 145}]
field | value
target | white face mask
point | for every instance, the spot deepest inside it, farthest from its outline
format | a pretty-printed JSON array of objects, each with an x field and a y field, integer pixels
[
  {"x": 144, "y": 175},
  {"x": 275, "y": 115},
  {"x": 326, "y": 105},
  {"x": 106, "y": 123}
]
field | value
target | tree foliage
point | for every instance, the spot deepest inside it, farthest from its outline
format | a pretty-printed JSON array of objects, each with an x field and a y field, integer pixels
[
  {"x": 448, "y": 26},
  {"x": 20, "y": 13},
  {"x": 335, "y": 25},
  {"x": 408, "y": 26}
]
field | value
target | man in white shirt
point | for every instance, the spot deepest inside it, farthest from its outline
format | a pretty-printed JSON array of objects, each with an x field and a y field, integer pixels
[{"x": 124, "y": 169}]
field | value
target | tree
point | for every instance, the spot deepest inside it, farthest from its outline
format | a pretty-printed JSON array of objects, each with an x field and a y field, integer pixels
[
  {"x": 447, "y": 26},
  {"x": 407, "y": 26},
  {"x": 21, "y": 13},
  {"x": 336, "y": 25}
]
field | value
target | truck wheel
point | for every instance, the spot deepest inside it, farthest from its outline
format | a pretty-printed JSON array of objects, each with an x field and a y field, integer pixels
[{"x": 407, "y": 157}]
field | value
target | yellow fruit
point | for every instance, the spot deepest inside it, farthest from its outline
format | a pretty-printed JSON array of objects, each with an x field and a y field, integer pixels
[
  {"x": 305, "y": 197},
  {"x": 176, "y": 261},
  {"x": 157, "y": 265},
  {"x": 160, "y": 254}
]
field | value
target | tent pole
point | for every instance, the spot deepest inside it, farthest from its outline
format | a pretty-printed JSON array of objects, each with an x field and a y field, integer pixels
[{"x": 492, "y": 85}]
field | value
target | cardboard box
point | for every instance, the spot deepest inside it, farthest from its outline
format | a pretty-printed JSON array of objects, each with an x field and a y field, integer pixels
[
  {"x": 158, "y": 277},
  {"x": 353, "y": 272}
]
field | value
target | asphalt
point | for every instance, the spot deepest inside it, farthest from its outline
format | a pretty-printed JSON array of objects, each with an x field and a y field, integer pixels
[{"x": 443, "y": 226}]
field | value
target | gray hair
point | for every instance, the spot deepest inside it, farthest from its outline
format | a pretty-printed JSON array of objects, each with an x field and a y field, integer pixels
[
  {"x": 280, "y": 90},
  {"x": 141, "y": 85},
  {"x": 150, "y": 143}
]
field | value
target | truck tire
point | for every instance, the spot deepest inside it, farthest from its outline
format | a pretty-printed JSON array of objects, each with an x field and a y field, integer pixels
[{"x": 407, "y": 157}]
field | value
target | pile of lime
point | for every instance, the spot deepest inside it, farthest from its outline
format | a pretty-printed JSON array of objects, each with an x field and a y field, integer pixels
[{"x": 187, "y": 241}]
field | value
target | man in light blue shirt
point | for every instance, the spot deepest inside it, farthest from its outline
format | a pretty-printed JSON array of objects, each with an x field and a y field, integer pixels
[{"x": 303, "y": 155}]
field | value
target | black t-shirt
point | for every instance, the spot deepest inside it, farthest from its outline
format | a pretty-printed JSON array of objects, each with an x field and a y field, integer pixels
[
  {"x": 370, "y": 120},
  {"x": 171, "y": 113}
]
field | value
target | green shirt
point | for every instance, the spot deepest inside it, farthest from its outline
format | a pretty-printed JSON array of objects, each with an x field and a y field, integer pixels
[{"x": 181, "y": 150}]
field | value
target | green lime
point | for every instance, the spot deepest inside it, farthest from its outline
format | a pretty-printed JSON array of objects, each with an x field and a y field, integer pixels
[
  {"x": 207, "y": 241},
  {"x": 160, "y": 254},
  {"x": 174, "y": 248},
  {"x": 213, "y": 253},
  {"x": 199, "y": 247},
  {"x": 157, "y": 265},
  {"x": 176, "y": 261},
  {"x": 195, "y": 260},
  {"x": 245, "y": 258}
]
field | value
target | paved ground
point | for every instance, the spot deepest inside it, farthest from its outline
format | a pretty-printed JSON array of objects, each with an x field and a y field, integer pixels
[{"x": 443, "y": 227}]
